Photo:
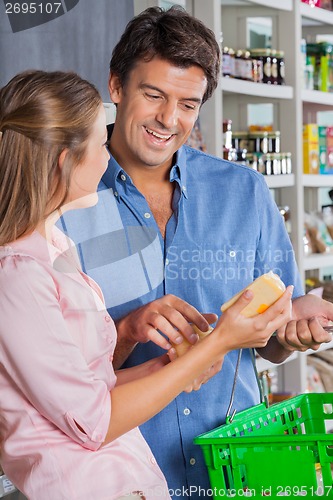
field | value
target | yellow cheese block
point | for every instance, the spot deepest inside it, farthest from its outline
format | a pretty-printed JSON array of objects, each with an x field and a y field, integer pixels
[
  {"x": 185, "y": 345},
  {"x": 267, "y": 289}
]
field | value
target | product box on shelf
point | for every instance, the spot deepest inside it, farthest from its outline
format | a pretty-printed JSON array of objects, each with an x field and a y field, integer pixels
[
  {"x": 323, "y": 4},
  {"x": 329, "y": 152},
  {"x": 322, "y": 144},
  {"x": 313, "y": 3},
  {"x": 310, "y": 149},
  {"x": 320, "y": 56},
  {"x": 326, "y": 4}
]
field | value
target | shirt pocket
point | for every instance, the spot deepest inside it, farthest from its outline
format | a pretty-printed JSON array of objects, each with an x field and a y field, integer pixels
[{"x": 228, "y": 267}]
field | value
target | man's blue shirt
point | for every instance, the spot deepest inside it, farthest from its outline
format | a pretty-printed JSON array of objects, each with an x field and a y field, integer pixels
[{"x": 225, "y": 231}]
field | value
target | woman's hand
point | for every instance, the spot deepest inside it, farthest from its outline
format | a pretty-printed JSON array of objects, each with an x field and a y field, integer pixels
[
  {"x": 237, "y": 331},
  {"x": 202, "y": 379}
]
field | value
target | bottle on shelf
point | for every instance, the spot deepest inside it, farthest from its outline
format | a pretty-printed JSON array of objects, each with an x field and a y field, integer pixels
[
  {"x": 258, "y": 142},
  {"x": 274, "y": 68},
  {"x": 228, "y": 150},
  {"x": 267, "y": 66},
  {"x": 280, "y": 67},
  {"x": 247, "y": 66},
  {"x": 239, "y": 64},
  {"x": 274, "y": 141},
  {"x": 228, "y": 62}
]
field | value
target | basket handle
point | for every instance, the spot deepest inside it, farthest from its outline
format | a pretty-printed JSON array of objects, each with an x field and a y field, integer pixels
[
  {"x": 263, "y": 397},
  {"x": 262, "y": 392}
]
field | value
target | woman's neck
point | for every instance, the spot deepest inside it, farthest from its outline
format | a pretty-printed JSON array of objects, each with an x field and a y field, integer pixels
[{"x": 45, "y": 227}]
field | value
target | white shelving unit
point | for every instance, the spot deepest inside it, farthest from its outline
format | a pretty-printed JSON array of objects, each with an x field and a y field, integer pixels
[
  {"x": 263, "y": 364},
  {"x": 291, "y": 21},
  {"x": 317, "y": 181},
  {"x": 314, "y": 16},
  {"x": 256, "y": 89},
  {"x": 280, "y": 181}
]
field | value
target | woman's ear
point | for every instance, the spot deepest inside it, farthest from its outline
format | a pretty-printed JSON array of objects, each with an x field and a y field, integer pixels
[
  {"x": 115, "y": 88},
  {"x": 62, "y": 158}
]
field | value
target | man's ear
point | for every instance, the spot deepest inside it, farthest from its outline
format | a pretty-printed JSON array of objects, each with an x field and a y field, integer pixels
[{"x": 115, "y": 88}]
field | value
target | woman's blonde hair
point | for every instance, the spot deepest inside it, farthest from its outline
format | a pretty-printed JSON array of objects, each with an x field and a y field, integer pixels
[{"x": 41, "y": 114}]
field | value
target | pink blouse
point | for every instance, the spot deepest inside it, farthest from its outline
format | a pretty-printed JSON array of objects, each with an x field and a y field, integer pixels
[{"x": 56, "y": 347}]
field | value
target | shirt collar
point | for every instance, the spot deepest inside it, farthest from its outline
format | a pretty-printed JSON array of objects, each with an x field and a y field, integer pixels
[
  {"x": 114, "y": 171},
  {"x": 111, "y": 175},
  {"x": 178, "y": 170}
]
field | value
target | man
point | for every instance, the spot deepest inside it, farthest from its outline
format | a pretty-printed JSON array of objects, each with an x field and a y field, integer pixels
[{"x": 177, "y": 231}]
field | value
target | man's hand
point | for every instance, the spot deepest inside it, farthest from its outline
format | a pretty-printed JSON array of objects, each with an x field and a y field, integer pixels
[
  {"x": 169, "y": 315},
  {"x": 305, "y": 331}
]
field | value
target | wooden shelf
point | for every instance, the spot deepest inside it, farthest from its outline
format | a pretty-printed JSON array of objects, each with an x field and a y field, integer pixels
[{"x": 262, "y": 90}]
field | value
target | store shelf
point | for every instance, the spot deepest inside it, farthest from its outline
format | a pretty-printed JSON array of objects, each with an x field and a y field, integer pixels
[
  {"x": 234, "y": 86},
  {"x": 315, "y": 15},
  {"x": 317, "y": 180},
  {"x": 6, "y": 486},
  {"x": 291, "y": 107},
  {"x": 323, "y": 347},
  {"x": 263, "y": 364},
  {"x": 280, "y": 181},
  {"x": 110, "y": 111},
  {"x": 283, "y": 4},
  {"x": 318, "y": 261},
  {"x": 317, "y": 97}
]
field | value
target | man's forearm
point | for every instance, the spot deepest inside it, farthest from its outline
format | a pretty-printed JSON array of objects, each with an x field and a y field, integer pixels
[
  {"x": 274, "y": 351},
  {"x": 124, "y": 347}
]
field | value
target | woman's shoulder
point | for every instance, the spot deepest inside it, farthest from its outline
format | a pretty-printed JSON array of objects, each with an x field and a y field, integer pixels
[
  {"x": 15, "y": 261},
  {"x": 23, "y": 258}
]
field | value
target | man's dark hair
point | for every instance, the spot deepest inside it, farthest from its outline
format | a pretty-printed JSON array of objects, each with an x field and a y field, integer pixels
[{"x": 173, "y": 35}]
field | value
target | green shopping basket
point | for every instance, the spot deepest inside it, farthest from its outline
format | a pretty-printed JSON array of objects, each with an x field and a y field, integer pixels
[{"x": 281, "y": 450}]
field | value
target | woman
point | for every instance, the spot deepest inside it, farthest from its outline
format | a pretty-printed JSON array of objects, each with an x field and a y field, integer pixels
[{"x": 68, "y": 423}]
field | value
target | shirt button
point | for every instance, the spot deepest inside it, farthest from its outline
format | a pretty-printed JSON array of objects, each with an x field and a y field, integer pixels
[
  {"x": 109, "y": 340},
  {"x": 107, "y": 319},
  {"x": 153, "y": 461},
  {"x": 232, "y": 253},
  {"x": 123, "y": 177},
  {"x": 187, "y": 411},
  {"x": 192, "y": 461},
  {"x": 115, "y": 193},
  {"x": 110, "y": 358},
  {"x": 166, "y": 262},
  {"x": 147, "y": 215},
  {"x": 184, "y": 188}
]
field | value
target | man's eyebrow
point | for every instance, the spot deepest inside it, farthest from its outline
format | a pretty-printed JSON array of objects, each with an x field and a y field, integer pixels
[{"x": 156, "y": 89}]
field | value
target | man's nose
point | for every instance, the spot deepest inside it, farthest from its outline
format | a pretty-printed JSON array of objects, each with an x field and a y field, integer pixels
[{"x": 168, "y": 115}]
